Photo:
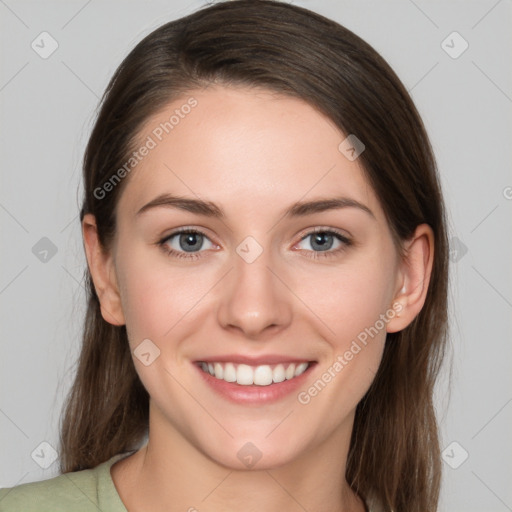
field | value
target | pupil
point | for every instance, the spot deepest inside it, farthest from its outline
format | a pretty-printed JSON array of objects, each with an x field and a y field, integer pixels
[
  {"x": 323, "y": 241},
  {"x": 190, "y": 241}
]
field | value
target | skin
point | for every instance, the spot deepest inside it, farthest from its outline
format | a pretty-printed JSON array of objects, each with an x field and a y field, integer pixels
[{"x": 267, "y": 151}]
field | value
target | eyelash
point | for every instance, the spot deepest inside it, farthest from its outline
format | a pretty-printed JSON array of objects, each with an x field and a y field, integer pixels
[{"x": 315, "y": 254}]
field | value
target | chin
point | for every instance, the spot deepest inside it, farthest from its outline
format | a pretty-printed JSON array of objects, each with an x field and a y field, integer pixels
[{"x": 257, "y": 452}]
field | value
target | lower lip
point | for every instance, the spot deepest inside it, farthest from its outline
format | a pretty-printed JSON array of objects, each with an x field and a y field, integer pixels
[{"x": 255, "y": 394}]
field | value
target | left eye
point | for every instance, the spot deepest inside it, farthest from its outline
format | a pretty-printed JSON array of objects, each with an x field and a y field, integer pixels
[
  {"x": 321, "y": 241},
  {"x": 188, "y": 241}
]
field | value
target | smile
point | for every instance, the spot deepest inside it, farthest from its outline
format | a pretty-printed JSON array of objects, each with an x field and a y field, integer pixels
[{"x": 261, "y": 375}]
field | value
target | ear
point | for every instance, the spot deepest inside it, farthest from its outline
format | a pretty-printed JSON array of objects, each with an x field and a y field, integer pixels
[
  {"x": 413, "y": 278},
  {"x": 102, "y": 272}
]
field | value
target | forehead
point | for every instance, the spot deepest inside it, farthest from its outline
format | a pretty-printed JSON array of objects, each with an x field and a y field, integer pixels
[{"x": 239, "y": 147}]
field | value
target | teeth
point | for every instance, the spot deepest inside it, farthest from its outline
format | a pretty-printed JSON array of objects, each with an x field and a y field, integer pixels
[
  {"x": 278, "y": 375},
  {"x": 218, "y": 370},
  {"x": 263, "y": 375},
  {"x": 301, "y": 368},
  {"x": 229, "y": 373},
  {"x": 246, "y": 375},
  {"x": 290, "y": 372}
]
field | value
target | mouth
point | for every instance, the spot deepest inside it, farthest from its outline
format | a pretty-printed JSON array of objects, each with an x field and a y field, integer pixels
[
  {"x": 249, "y": 375},
  {"x": 247, "y": 381}
]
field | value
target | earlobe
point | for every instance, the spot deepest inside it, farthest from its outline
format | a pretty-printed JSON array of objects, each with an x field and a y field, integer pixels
[
  {"x": 415, "y": 272},
  {"x": 102, "y": 272}
]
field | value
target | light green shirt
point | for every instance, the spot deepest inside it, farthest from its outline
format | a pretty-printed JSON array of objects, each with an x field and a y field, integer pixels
[{"x": 89, "y": 490}]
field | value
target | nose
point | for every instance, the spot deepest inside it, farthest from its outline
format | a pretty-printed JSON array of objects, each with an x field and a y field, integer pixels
[{"x": 254, "y": 301}]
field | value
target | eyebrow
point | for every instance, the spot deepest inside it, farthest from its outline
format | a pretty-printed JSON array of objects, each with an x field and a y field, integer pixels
[{"x": 209, "y": 209}]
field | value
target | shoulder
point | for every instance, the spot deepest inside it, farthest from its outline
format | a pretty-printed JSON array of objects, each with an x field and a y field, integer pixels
[
  {"x": 67, "y": 491},
  {"x": 80, "y": 491}
]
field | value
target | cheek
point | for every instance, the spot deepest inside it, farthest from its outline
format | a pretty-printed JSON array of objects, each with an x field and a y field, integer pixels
[
  {"x": 350, "y": 304},
  {"x": 349, "y": 298},
  {"x": 353, "y": 302},
  {"x": 156, "y": 297}
]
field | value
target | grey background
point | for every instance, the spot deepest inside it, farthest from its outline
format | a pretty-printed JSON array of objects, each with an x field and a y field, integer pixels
[{"x": 47, "y": 108}]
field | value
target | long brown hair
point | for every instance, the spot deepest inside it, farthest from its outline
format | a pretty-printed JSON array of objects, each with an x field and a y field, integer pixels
[{"x": 394, "y": 452}]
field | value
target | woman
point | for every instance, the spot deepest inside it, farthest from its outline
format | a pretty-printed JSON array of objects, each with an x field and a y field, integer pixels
[{"x": 267, "y": 273}]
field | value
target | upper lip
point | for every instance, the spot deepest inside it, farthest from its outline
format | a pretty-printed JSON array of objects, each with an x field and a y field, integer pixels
[{"x": 253, "y": 361}]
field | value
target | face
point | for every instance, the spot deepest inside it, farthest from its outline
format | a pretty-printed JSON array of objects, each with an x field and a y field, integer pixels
[{"x": 286, "y": 263}]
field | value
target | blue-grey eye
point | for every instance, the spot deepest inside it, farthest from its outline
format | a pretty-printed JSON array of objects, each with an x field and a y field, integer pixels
[
  {"x": 189, "y": 241},
  {"x": 321, "y": 241}
]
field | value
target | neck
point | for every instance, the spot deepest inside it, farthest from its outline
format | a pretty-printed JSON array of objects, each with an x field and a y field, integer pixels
[{"x": 170, "y": 473}]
